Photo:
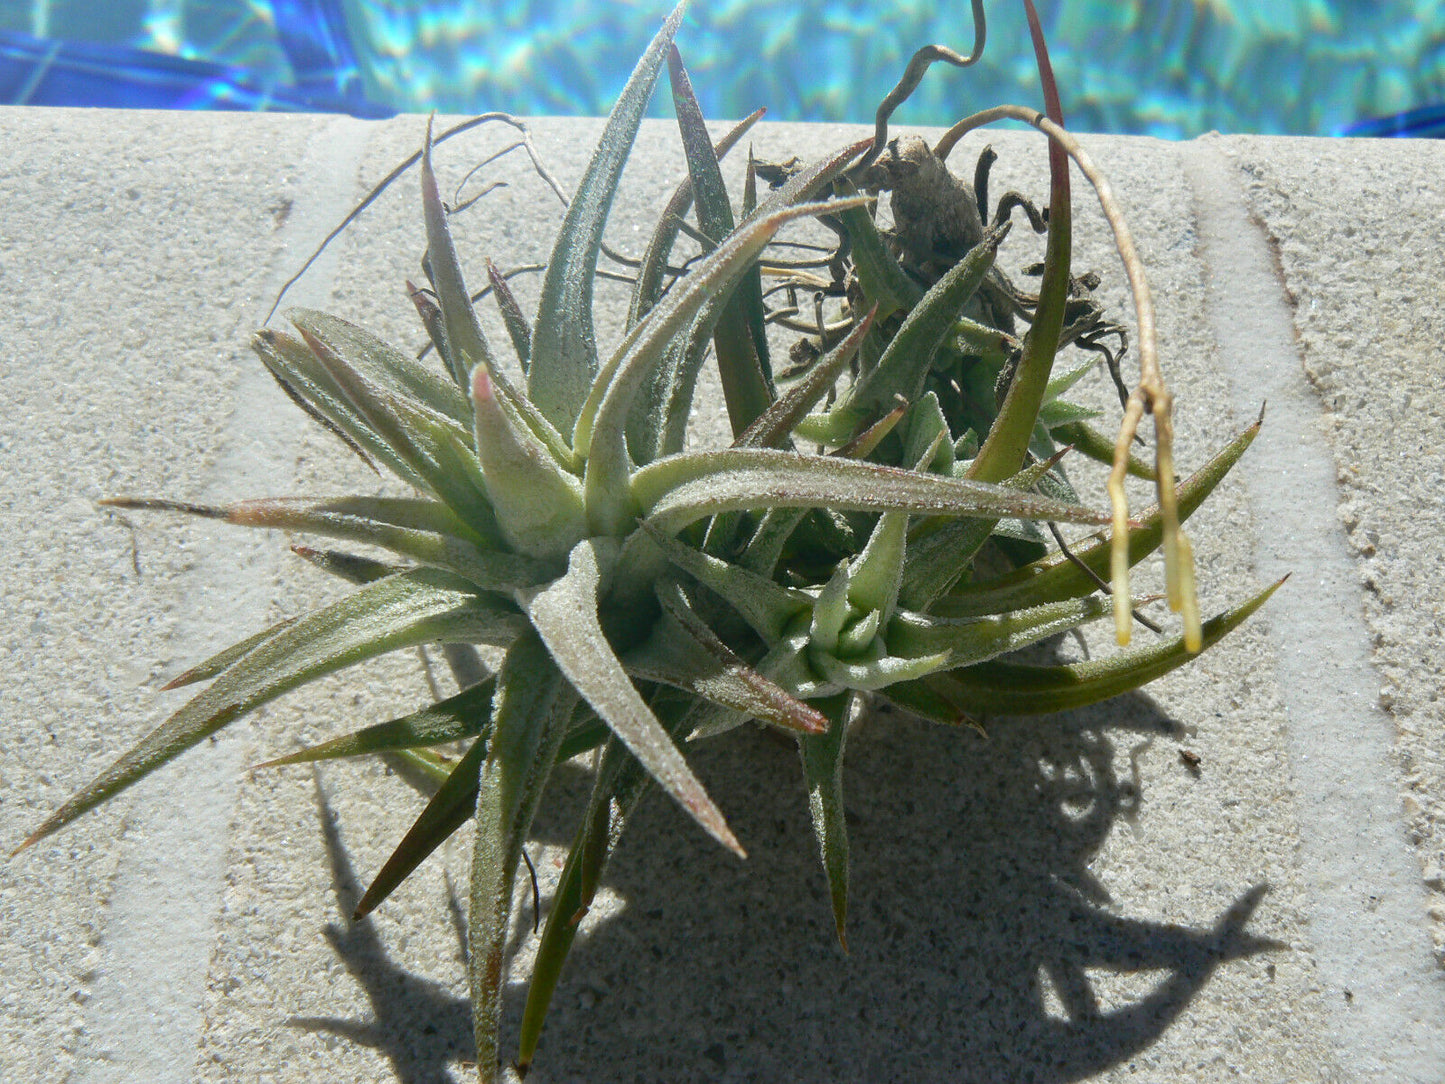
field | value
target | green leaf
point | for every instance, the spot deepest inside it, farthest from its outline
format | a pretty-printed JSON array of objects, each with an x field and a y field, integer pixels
[
  {"x": 774, "y": 427},
  {"x": 766, "y": 606},
  {"x": 311, "y": 386},
  {"x": 1006, "y": 688},
  {"x": 738, "y": 336},
  {"x": 909, "y": 354},
  {"x": 823, "y": 774},
  {"x": 872, "y": 671},
  {"x": 971, "y": 640},
  {"x": 875, "y": 574},
  {"x": 463, "y": 715},
  {"x": 204, "y": 671},
  {"x": 424, "y": 530},
  {"x": 765, "y": 548},
  {"x": 620, "y": 783},
  {"x": 529, "y": 718},
  {"x": 658, "y": 422},
  {"x": 405, "y": 610},
  {"x": 1059, "y": 412},
  {"x": 680, "y": 489},
  {"x": 466, "y": 345},
  {"x": 433, "y": 446},
  {"x": 538, "y": 503},
  {"x": 463, "y": 343},
  {"x": 799, "y": 189},
  {"x": 518, "y": 329},
  {"x": 830, "y": 612},
  {"x": 383, "y": 365},
  {"x": 604, "y": 441},
  {"x": 565, "y": 616},
  {"x": 1008, "y": 438},
  {"x": 685, "y": 654},
  {"x": 451, "y": 806},
  {"x": 653, "y": 267},
  {"x": 564, "y": 348},
  {"x": 941, "y": 550},
  {"x": 1056, "y": 577},
  {"x": 884, "y": 283},
  {"x": 1100, "y": 448}
]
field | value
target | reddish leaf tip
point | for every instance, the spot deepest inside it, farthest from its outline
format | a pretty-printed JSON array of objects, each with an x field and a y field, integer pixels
[{"x": 481, "y": 385}]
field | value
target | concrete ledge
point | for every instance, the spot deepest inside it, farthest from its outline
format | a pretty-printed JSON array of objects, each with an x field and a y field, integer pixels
[{"x": 1006, "y": 924}]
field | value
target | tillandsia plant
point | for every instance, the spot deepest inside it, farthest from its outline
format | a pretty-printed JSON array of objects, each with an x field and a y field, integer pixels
[{"x": 644, "y": 594}]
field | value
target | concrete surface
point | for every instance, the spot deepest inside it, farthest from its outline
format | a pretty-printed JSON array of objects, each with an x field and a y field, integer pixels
[{"x": 1064, "y": 900}]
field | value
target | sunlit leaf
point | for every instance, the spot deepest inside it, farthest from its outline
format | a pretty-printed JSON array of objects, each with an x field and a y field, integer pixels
[
  {"x": 564, "y": 348},
  {"x": 405, "y": 610},
  {"x": 565, "y": 615}
]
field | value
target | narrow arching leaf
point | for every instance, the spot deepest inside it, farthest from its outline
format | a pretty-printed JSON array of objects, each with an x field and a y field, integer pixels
[
  {"x": 1056, "y": 577},
  {"x": 384, "y": 365},
  {"x": 765, "y": 548},
  {"x": 605, "y": 441},
  {"x": 823, "y": 775},
  {"x": 652, "y": 269},
  {"x": 451, "y": 807},
  {"x": 766, "y": 606},
  {"x": 811, "y": 181},
  {"x": 657, "y": 423},
  {"x": 676, "y": 491},
  {"x": 909, "y": 354},
  {"x": 741, "y": 354},
  {"x": 518, "y": 330},
  {"x": 773, "y": 429},
  {"x": 466, "y": 344},
  {"x": 204, "y": 671},
  {"x": 434, "y": 447},
  {"x": 405, "y": 610},
  {"x": 1007, "y": 688},
  {"x": 620, "y": 783},
  {"x": 976, "y": 639},
  {"x": 684, "y": 653},
  {"x": 310, "y": 384},
  {"x": 424, "y": 530},
  {"x": 799, "y": 189},
  {"x": 531, "y": 710},
  {"x": 1003, "y": 449},
  {"x": 564, "y": 348},
  {"x": 565, "y": 616},
  {"x": 464, "y": 715}
]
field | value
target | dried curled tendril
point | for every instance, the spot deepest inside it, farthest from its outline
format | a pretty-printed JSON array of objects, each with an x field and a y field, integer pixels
[{"x": 1151, "y": 396}]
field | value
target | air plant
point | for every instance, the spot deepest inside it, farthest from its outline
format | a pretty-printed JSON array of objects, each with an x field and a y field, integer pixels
[{"x": 644, "y": 594}]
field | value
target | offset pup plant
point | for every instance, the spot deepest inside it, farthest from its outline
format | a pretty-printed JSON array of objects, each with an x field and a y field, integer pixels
[{"x": 645, "y": 594}]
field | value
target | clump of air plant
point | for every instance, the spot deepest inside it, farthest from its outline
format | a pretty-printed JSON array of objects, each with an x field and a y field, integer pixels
[{"x": 644, "y": 594}]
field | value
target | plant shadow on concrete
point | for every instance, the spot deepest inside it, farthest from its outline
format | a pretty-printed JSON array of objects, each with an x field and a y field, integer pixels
[{"x": 973, "y": 893}]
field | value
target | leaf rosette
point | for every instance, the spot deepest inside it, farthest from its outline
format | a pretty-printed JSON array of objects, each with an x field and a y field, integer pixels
[{"x": 643, "y": 593}]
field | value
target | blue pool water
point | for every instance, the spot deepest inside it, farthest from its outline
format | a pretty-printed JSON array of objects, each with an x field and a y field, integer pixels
[{"x": 1172, "y": 68}]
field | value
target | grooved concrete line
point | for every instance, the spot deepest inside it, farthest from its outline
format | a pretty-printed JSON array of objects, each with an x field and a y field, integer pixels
[
  {"x": 1368, "y": 902},
  {"x": 144, "y": 1017}
]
